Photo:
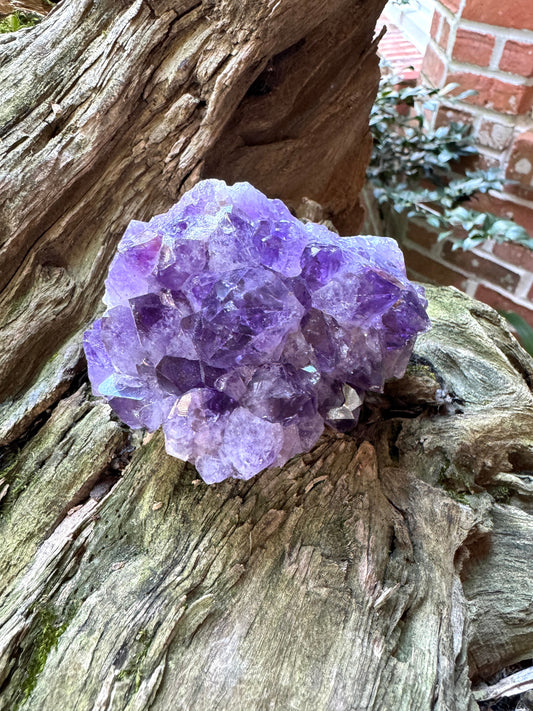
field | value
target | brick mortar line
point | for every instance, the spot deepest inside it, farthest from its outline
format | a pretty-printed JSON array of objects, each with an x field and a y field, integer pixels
[
  {"x": 509, "y": 197},
  {"x": 520, "y": 121},
  {"x": 527, "y": 303},
  {"x": 435, "y": 254},
  {"x": 438, "y": 31},
  {"x": 435, "y": 257},
  {"x": 521, "y": 290},
  {"x": 497, "y": 52},
  {"x": 472, "y": 281},
  {"x": 519, "y": 126},
  {"x": 454, "y": 26},
  {"x": 454, "y": 65},
  {"x": 512, "y": 33},
  {"x": 471, "y": 286},
  {"x": 528, "y": 286},
  {"x": 487, "y": 150},
  {"x": 487, "y": 247},
  {"x": 507, "y": 77},
  {"x": 491, "y": 257}
]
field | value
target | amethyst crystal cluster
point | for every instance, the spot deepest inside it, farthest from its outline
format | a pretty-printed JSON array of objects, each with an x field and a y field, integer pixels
[{"x": 243, "y": 331}]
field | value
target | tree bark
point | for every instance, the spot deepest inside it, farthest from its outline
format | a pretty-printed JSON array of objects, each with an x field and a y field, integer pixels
[
  {"x": 381, "y": 570},
  {"x": 366, "y": 574},
  {"x": 111, "y": 110}
]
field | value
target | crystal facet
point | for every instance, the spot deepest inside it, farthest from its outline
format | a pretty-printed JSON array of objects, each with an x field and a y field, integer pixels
[{"x": 242, "y": 331}]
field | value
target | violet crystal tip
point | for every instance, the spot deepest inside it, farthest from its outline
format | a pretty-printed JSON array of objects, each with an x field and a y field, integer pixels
[{"x": 243, "y": 331}]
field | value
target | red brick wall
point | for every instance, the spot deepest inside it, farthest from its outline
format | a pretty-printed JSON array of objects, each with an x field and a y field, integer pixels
[
  {"x": 486, "y": 45},
  {"x": 500, "y": 275}
]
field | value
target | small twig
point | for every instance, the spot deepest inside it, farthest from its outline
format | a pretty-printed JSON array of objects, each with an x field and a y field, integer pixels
[
  {"x": 3, "y": 488},
  {"x": 314, "y": 483},
  {"x": 522, "y": 484},
  {"x": 425, "y": 207},
  {"x": 510, "y": 686}
]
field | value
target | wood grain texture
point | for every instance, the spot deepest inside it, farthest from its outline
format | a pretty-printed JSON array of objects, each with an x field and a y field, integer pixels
[
  {"x": 110, "y": 110},
  {"x": 360, "y": 576}
]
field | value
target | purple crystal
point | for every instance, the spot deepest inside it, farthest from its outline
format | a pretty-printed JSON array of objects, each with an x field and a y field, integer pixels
[{"x": 242, "y": 331}]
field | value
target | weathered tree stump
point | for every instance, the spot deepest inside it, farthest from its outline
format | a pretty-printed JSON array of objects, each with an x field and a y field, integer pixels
[
  {"x": 380, "y": 571},
  {"x": 366, "y": 574}
]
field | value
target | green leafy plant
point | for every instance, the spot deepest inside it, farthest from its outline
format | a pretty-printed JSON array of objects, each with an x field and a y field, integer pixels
[
  {"x": 18, "y": 20},
  {"x": 522, "y": 328},
  {"x": 412, "y": 168}
]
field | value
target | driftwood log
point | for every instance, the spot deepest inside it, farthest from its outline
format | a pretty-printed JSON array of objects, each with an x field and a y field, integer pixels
[{"x": 386, "y": 569}]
